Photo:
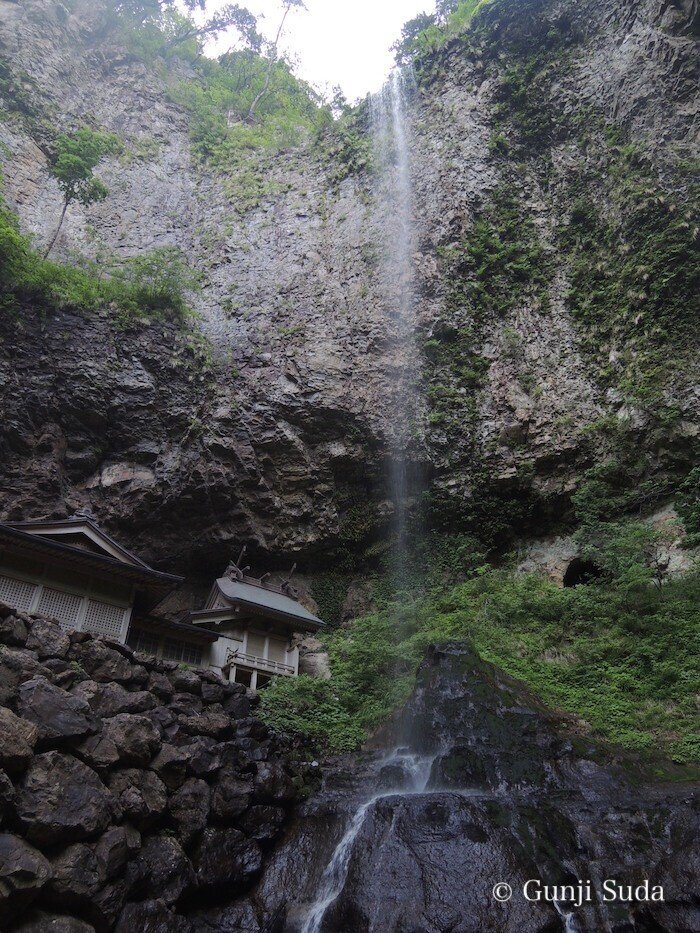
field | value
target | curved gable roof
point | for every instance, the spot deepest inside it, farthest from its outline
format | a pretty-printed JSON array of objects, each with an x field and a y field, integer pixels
[{"x": 261, "y": 598}]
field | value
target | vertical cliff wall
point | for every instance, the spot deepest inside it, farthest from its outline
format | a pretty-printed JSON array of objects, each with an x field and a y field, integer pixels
[{"x": 555, "y": 270}]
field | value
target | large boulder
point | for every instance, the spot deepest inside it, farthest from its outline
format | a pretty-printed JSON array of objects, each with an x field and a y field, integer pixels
[
  {"x": 159, "y": 685},
  {"x": 189, "y": 808},
  {"x": 78, "y": 875},
  {"x": 140, "y": 795},
  {"x": 224, "y": 858},
  {"x": 185, "y": 681},
  {"x": 212, "y": 692},
  {"x": 23, "y": 874},
  {"x": 99, "y": 752},
  {"x": 164, "y": 869},
  {"x": 7, "y": 797},
  {"x": 110, "y": 699},
  {"x": 136, "y": 738},
  {"x": 17, "y": 740},
  {"x": 13, "y": 631},
  {"x": 273, "y": 783},
  {"x": 152, "y": 917},
  {"x": 213, "y": 722},
  {"x": 170, "y": 764},
  {"x": 104, "y": 664},
  {"x": 231, "y": 795},
  {"x": 205, "y": 756},
  {"x": 62, "y": 800},
  {"x": 116, "y": 846},
  {"x": 48, "y": 639},
  {"x": 59, "y": 715},
  {"x": 40, "y": 921},
  {"x": 16, "y": 666},
  {"x": 80, "y": 883},
  {"x": 263, "y": 823}
]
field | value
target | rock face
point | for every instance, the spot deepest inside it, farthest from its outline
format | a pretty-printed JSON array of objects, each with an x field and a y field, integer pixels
[
  {"x": 278, "y": 433},
  {"x": 111, "y": 798},
  {"x": 483, "y": 787}
]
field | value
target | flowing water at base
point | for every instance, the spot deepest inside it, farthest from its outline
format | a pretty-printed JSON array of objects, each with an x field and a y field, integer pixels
[{"x": 415, "y": 771}]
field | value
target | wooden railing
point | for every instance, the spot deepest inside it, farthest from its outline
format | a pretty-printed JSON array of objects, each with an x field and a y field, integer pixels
[{"x": 234, "y": 656}]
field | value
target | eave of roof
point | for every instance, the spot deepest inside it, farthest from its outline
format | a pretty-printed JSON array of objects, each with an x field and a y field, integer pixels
[
  {"x": 30, "y": 542},
  {"x": 263, "y": 602},
  {"x": 75, "y": 523}
]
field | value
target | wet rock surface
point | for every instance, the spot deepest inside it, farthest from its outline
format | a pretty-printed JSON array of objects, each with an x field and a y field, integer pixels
[
  {"x": 115, "y": 811},
  {"x": 486, "y": 787}
]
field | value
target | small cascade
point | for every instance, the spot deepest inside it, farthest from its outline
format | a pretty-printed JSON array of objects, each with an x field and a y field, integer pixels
[
  {"x": 568, "y": 918},
  {"x": 415, "y": 773}
]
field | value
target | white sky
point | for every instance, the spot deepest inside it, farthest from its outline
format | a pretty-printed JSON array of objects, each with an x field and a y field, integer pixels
[{"x": 343, "y": 42}]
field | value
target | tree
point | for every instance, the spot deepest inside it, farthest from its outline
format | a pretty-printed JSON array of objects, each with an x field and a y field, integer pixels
[
  {"x": 272, "y": 55},
  {"x": 164, "y": 14},
  {"x": 143, "y": 10},
  {"x": 232, "y": 15},
  {"x": 75, "y": 158},
  {"x": 444, "y": 9},
  {"x": 404, "y": 47}
]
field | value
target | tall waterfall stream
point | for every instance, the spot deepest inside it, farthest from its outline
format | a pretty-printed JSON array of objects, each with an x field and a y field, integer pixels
[{"x": 395, "y": 197}]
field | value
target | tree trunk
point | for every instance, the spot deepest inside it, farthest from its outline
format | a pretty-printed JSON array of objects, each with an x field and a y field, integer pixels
[
  {"x": 58, "y": 230},
  {"x": 270, "y": 66}
]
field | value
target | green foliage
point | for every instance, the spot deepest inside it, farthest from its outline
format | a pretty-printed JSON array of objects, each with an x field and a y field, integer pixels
[
  {"x": 154, "y": 285},
  {"x": 157, "y": 283},
  {"x": 523, "y": 101},
  {"x": 219, "y": 99},
  {"x": 627, "y": 552},
  {"x": 244, "y": 105},
  {"x": 426, "y": 34},
  {"x": 623, "y": 658},
  {"x": 155, "y": 28},
  {"x": 347, "y": 148},
  {"x": 18, "y": 95},
  {"x": 73, "y": 162},
  {"x": 312, "y": 708},
  {"x": 330, "y": 591},
  {"x": 501, "y": 260},
  {"x": 635, "y": 276},
  {"x": 688, "y": 506}
]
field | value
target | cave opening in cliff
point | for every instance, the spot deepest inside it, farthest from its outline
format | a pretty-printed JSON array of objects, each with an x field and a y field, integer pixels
[{"x": 580, "y": 572}]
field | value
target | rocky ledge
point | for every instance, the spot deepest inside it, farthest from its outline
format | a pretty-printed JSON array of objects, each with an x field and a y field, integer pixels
[
  {"x": 132, "y": 791},
  {"x": 477, "y": 784}
]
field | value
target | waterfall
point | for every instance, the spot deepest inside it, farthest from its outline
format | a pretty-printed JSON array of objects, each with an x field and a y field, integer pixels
[
  {"x": 416, "y": 770},
  {"x": 394, "y": 196},
  {"x": 394, "y": 204}
]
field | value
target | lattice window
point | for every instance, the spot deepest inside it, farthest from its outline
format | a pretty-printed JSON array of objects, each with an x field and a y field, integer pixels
[
  {"x": 16, "y": 593},
  {"x": 59, "y": 605},
  {"x": 175, "y": 650},
  {"x": 145, "y": 642},
  {"x": 104, "y": 619}
]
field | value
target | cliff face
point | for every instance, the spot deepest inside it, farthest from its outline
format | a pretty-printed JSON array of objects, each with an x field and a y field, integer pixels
[{"x": 550, "y": 133}]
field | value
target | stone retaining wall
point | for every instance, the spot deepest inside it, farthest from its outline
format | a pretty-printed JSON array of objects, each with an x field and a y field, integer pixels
[{"x": 132, "y": 791}]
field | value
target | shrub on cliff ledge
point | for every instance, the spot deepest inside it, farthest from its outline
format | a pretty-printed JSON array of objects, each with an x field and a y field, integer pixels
[
  {"x": 154, "y": 284},
  {"x": 619, "y": 655}
]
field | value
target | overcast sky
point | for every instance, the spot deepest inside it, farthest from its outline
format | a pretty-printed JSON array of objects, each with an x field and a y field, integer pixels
[{"x": 343, "y": 42}]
